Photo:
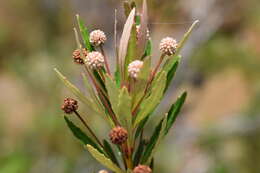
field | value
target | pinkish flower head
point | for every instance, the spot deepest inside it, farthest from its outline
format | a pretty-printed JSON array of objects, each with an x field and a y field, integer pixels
[
  {"x": 97, "y": 37},
  {"x": 94, "y": 60},
  {"x": 168, "y": 46},
  {"x": 134, "y": 68}
]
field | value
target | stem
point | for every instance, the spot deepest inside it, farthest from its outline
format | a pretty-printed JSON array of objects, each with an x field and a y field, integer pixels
[
  {"x": 105, "y": 58},
  {"x": 89, "y": 129},
  {"x": 152, "y": 75}
]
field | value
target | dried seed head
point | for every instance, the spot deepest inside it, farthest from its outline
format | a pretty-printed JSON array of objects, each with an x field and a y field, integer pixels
[
  {"x": 94, "y": 60},
  {"x": 134, "y": 68},
  {"x": 76, "y": 56},
  {"x": 97, "y": 37},
  {"x": 103, "y": 171},
  {"x": 168, "y": 46},
  {"x": 69, "y": 106},
  {"x": 118, "y": 135},
  {"x": 142, "y": 169}
]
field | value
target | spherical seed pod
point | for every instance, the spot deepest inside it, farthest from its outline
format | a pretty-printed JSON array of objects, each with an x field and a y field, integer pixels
[
  {"x": 94, "y": 60},
  {"x": 118, "y": 135},
  {"x": 168, "y": 46},
  {"x": 103, "y": 171},
  {"x": 69, "y": 106},
  {"x": 134, "y": 68},
  {"x": 142, "y": 169},
  {"x": 97, "y": 37},
  {"x": 77, "y": 57}
]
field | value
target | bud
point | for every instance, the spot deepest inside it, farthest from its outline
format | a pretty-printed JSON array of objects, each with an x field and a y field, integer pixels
[
  {"x": 77, "y": 57},
  {"x": 97, "y": 37},
  {"x": 134, "y": 68},
  {"x": 168, "y": 46},
  {"x": 94, "y": 60},
  {"x": 142, "y": 169},
  {"x": 69, "y": 106},
  {"x": 138, "y": 32},
  {"x": 103, "y": 171},
  {"x": 118, "y": 135}
]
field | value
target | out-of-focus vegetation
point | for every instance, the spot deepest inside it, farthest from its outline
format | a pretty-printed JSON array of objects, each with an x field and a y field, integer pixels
[{"x": 217, "y": 132}]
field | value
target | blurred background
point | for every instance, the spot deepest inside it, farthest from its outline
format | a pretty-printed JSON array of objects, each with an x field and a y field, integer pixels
[{"x": 219, "y": 128}]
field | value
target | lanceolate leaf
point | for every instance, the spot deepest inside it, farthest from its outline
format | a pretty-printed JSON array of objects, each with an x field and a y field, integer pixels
[
  {"x": 148, "y": 49},
  {"x": 124, "y": 40},
  {"x": 102, "y": 159},
  {"x": 174, "y": 111},
  {"x": 78, "y": 133},
  {"x": 96, "y": 100},
  {"x": 154, "y": 142},
  {"x": 150, "y": 103},
  {"x": 139, "y": 85},
  {"x": 172, "y": 64},
  {"x": 139, "y": 153},
  {"x": 113, "y": 93},
  {"x": 110, "y": 152},
  {"x": 124, "y": 111},
  {"x": 77, "y": 93},
  {"x": 186, "y": 36},
  {"x": 85, "y": 34},
  {"x": 131, "y": 50}
]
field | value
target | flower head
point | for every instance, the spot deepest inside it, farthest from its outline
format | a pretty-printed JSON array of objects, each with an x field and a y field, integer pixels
[
  {"x": 142, "y": 169},
  {"x": 103, "y": 171},
  {"x": 138, "y": 32},
  {"x": 77, "y": 57},
  {"x": 134, "y": 68},
  {"x": 69, "y": 106},
  {"x": 118, "y": 135},
  {"x": 94, "y": 60},
  {"x": 97, "y": 37},
  {"x": 168, "y": 46}
]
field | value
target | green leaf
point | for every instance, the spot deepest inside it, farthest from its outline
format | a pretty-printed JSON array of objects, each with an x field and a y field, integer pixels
[
  {"x": 117, "y": 78},
  {"x": 110, "y": 152},
  {"x": 141, "y": 126},
  {"x": 140, "y": 84},
  {"x": 174, "y": 111},
  {"x": 131, "y": 50},
  {"x": 102, "y": 159},
  {"x": 124, "y": 114},
  {"x": 85, "y": 34},
  {"x": 148, "y": 49},
  {"x": 113, "y": 93},
  {"x": 186, "y": 37},
  {"x": 139, "y": 153},
  {"x": 154, "y": 141},
  {"x": 150, "y": 103},
  {"x": 172, "y": 70},
  {"x": 78, "y": 133},
  {"x": 96, "y": 101},
  {"x": 77, "y": 93}
]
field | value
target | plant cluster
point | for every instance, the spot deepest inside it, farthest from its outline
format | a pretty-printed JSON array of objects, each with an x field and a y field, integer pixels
[{"x": 127, "y": 98}]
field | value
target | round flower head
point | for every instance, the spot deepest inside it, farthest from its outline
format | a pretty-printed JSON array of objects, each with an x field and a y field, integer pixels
[
  {"x": 94, "y": 60},
  {"x": 168, "y": 46},
  {"x": 103, "y": 171},
  {"x": 97, "y": 37},
  {"x": 142, "y": 169},
  {"x": 134, "y": 68},
  {"x": 118, "y": 135},
  {"x": 76, "y": 56},
  {"x": 69, "y": 106}
]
